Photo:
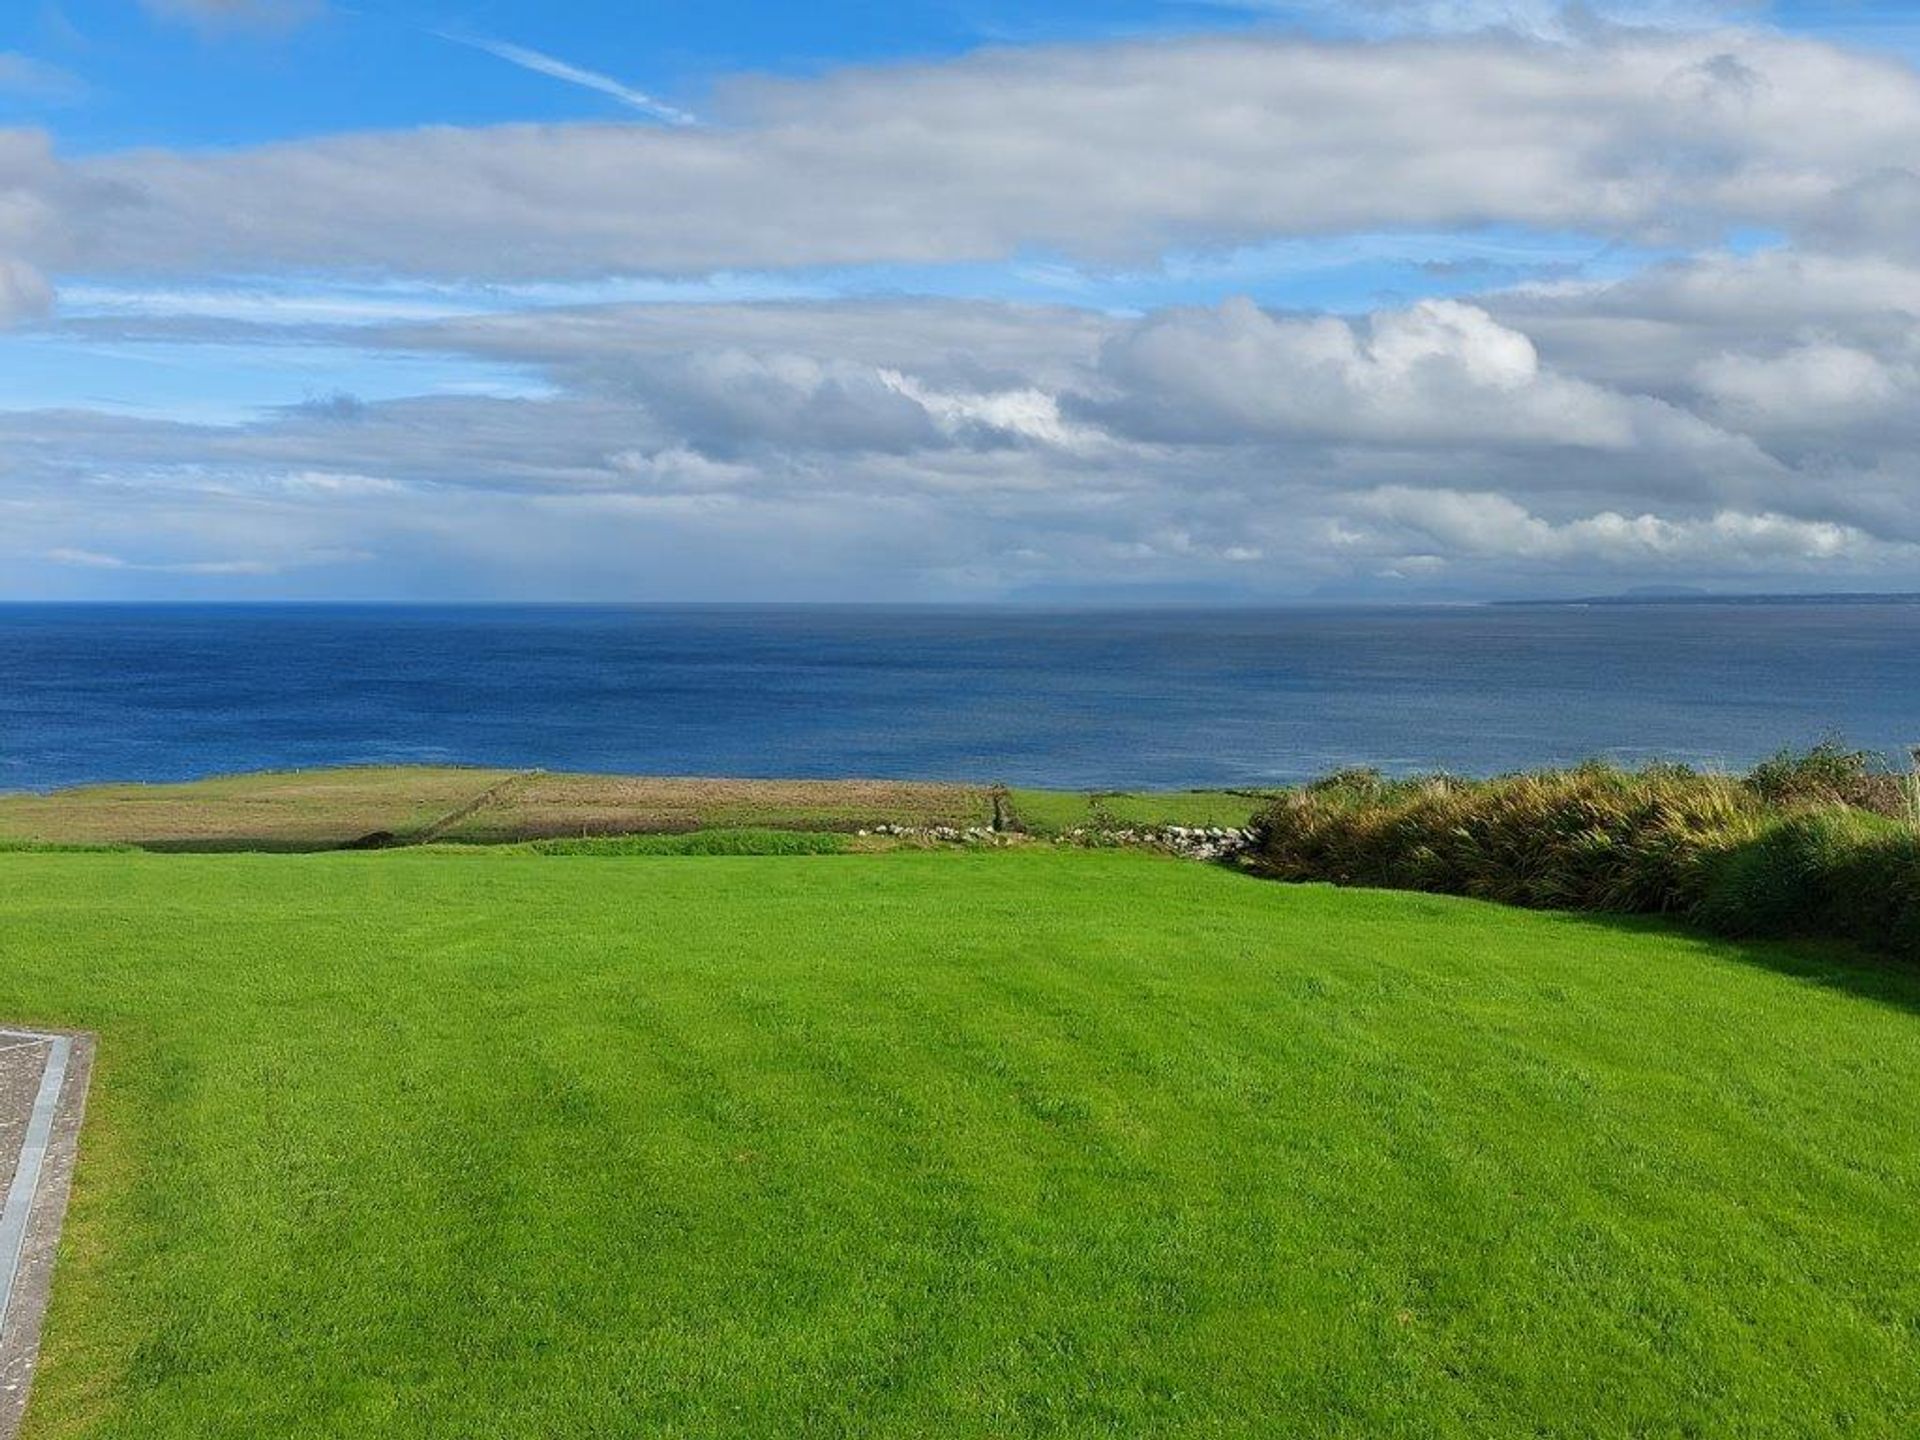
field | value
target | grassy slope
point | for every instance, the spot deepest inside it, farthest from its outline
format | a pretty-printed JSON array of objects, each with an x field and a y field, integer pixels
[{"x": 494, "y": 1144}]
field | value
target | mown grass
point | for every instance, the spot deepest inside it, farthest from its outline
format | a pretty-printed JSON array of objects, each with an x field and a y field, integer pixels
[{"x": 462, "y": 1143}]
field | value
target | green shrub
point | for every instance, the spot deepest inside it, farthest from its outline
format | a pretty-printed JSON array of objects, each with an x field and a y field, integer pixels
[
  {"x": 1780, "y": 853},
  {"x": 1831, "y": 873}
]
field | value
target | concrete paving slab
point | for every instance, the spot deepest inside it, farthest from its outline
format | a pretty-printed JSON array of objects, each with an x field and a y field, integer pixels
[{"x": 43, "y": 1093}]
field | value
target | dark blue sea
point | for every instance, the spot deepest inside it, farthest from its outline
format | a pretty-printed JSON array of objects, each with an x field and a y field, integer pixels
[{"x": 1068, "y": 698}]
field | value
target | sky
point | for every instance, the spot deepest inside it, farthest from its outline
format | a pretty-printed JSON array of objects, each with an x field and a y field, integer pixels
[{"x": 975, "y": 300}]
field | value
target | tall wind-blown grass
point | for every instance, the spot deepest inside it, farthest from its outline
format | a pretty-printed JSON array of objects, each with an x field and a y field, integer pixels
[{"x": 1808, "y": 845}]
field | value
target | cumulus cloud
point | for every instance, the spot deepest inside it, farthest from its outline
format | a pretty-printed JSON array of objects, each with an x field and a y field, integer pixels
[
  {"x": 1815, "y": 358},
  {"x": 1441, "y": 372},
  {"x": 945, "y": 450},
  {"x": 723, "y": 398},
  {"x": 912, "y": 375},
  {"x": 1014, "y": 415},
  {"x": 892, "y": 376},
  {"x": 1111, "y": 152}
]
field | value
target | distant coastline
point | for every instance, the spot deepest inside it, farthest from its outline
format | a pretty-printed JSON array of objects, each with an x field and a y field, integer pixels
[{"x": 1692, "y": 597}]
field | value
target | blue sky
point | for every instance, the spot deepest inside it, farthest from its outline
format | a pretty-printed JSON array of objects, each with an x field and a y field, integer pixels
[{"x": 194, "y": 291}]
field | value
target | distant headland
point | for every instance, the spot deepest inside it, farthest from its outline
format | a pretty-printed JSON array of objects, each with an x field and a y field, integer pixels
[{"x": 1680, "y": 595}]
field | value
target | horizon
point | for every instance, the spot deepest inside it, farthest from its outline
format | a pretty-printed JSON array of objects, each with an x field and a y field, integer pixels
[
  {"x": 1069, "y": 304},
  {"x": 999, "y": 603}
]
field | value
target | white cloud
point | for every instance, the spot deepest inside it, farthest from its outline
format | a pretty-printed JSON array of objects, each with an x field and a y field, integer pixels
[
  {"x": 1105, "y": 152},
  {"x": 335, "y": 483},
  {"x": 1819, "y": 383},
  {"x": 1485, "y": 525},
  {"x": 97, "y": 560},
  {"x": 678, "y": 468},
  {"x": 1025, "y": 414},
  {"x": 1441, "y": 372},
  {"x": 1541, "y": 19}
]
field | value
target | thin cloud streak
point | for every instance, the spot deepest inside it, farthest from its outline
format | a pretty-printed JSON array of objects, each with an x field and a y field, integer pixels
[{"x": 558, "y": 69}]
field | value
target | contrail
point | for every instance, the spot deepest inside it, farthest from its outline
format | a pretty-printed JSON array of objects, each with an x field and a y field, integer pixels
[{"x": 559, "y": 69}]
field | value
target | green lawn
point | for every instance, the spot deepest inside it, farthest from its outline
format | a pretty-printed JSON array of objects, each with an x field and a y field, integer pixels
[{"x": 498, "y": 1144}]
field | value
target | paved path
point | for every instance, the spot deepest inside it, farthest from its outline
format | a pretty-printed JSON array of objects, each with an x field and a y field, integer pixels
[{"x": 43, "y": 1092}]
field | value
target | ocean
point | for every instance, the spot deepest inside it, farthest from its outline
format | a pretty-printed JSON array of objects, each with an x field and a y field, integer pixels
[{"x": 1057, "y": 697}]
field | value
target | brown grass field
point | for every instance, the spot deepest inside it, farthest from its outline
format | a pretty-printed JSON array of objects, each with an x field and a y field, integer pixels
[
  {"x": 274, "y": 810},
  {"x": 329, "y": 809},
  {"x": 541, "y": 805}
]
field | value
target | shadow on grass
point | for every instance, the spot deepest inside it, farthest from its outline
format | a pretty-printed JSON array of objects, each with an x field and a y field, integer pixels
[{"x": 1828, "y": 964}]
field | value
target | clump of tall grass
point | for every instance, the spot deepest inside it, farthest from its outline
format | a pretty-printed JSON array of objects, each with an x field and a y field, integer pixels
[
  {"x": 1806, "y": 845},
  {"x": 1832, "y": 774},
  {"x": 1595, "y": 838}
]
